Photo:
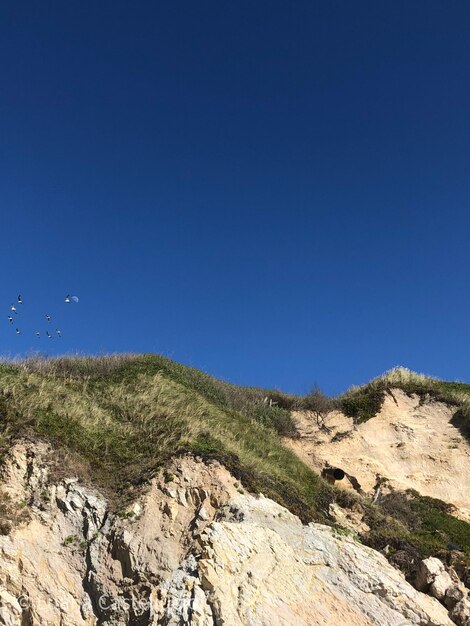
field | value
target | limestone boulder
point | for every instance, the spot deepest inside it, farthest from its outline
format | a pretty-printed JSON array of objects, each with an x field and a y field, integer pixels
[{"x": 260, "y": 565}]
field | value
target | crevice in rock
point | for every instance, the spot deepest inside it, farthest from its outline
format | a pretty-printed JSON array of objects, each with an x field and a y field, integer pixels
[
  {"x": 88, "y": 581},
  {"x": 90, "y": 589}
]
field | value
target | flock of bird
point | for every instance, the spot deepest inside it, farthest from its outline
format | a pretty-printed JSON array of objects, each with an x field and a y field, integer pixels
[{"x": 16, "y": 308}]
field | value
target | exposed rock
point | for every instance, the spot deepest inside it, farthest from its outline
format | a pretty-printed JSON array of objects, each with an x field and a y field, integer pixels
[
  {"x": 191, "y": 551},
  {"x": 10, "y": 609},
  {"x": 454, "y": 595},
  {"x": 428, "y": 571},
  {"x": 395, "y": 444},
  {"x": 461, "y": 613},
  {"x": 446, "y": 586},
  {"x": 75, "y": 563},
  {"x": 185, "y": 601},
  {"x": 441, "y": 584},
  {"x": 269, "y": 569}
]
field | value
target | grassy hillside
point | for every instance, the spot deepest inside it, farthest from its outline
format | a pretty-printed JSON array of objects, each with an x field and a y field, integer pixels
[
  {"x": 117, "y": 420},
  {"x": 124, "y": 416}
]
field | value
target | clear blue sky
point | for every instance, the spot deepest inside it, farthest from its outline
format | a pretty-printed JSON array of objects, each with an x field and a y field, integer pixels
[{"x": 277, "y": 193}]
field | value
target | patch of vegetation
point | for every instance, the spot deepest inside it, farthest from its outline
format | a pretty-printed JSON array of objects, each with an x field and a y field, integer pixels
[
  {"x": 318, "y": 404},
  {"x": 70, "y": 539},
  {"x": 415, "y": 527},
  {"x": 168, "y": 477},
  {"x": 12, "y": 513},
  {"x": 342, "y": 531},
  {"x": 123, "y": 514},
  {"x": 364, "y": 404}
]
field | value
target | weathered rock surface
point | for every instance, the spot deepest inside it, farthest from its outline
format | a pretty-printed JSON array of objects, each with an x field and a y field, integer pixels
[
  {"x": 192, "y": 551},
  {"x": 261, "y": 566},
  {"x": 74, "y": 563},
  {"x": 414, "y": 444},
  {"x": 432, "y": 577},
  {"x": 428, "y": 571},
  {"x": 461, "y": 613}
]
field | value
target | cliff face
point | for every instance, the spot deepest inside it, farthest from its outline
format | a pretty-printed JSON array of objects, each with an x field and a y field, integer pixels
[
  {"x": 410, "y": 442},
  {"x": 194, "y": 549}
]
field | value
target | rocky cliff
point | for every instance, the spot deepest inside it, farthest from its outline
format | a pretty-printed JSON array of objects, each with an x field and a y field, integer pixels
[{"x": 193, "y": 548}]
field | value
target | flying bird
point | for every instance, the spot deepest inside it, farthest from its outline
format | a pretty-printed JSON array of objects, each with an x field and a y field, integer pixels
[
  {"x": 20, "y": 300},
  {"x": 13, "y": 308},
  {"x": 49, "y": 334},
  {"x": 38, "y": 334},
  {"x": 48, "y": 317},
  {"x": 10, "y": 319},
  {"x": 59, "y": 334},
  {"x": 67, "y": 298},
  {"x": 18, "y": 331}
]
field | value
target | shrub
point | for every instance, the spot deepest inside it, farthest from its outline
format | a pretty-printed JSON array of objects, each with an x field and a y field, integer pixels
[{"x": 363, "y": 404}]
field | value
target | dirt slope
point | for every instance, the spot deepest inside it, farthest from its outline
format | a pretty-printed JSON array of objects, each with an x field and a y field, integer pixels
[{"x": 413, "y": 445}]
